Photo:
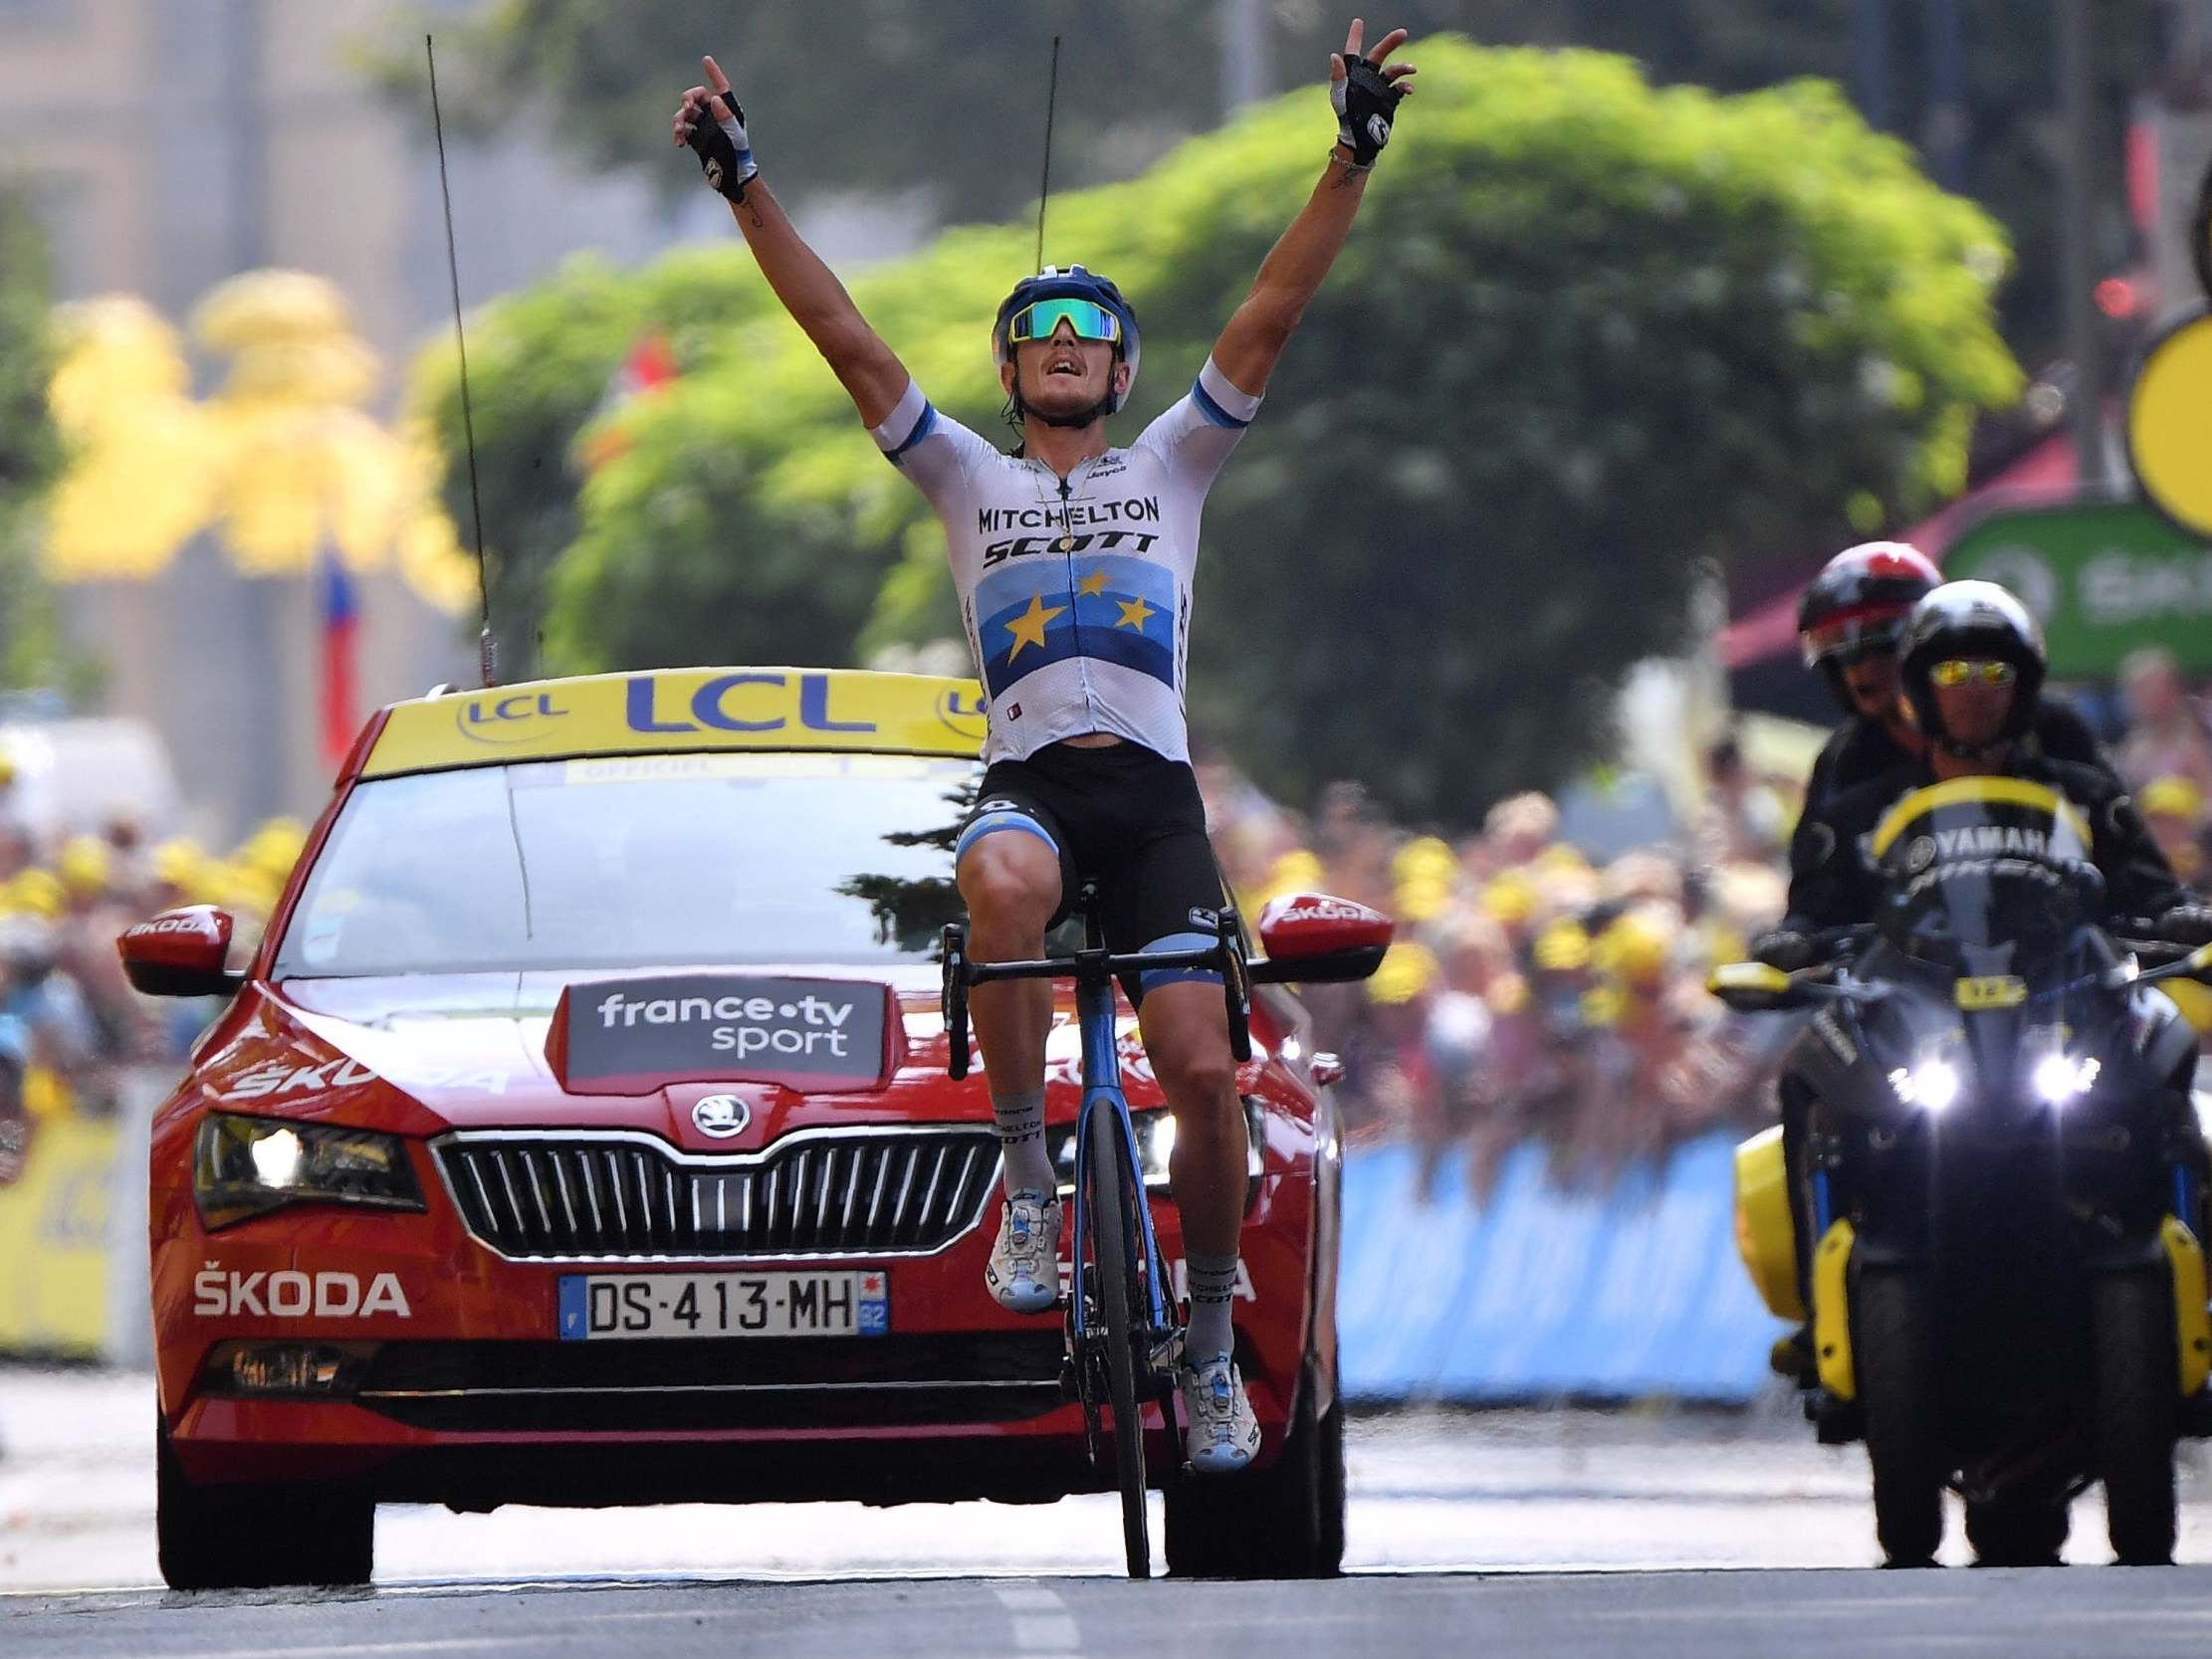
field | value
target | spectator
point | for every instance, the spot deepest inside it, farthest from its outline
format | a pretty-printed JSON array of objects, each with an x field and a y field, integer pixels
[{"x": 2167, "y": 735}]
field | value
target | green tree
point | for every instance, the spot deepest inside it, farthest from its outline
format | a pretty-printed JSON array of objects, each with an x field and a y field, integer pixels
[
  {"x": 1587, "y": 337},
  {"x": 954, "y": 90},
  {"x": 969, "y": 75},
  {"x": 30, "y": 455}
]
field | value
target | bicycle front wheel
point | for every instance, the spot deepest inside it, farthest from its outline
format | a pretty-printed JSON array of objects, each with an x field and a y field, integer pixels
[{"x": 1118, "y": 1296}]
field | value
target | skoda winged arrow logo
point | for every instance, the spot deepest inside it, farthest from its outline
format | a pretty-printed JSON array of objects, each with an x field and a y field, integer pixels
[{"x": 721, "y": 1116}]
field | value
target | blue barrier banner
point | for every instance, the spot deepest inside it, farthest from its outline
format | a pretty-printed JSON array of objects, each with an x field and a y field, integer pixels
[{"x": 1537, "y": 1292}]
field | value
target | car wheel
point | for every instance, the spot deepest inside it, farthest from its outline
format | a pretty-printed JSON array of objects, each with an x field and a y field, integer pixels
[
  {"x": 1283, "y": 1520},
  {"x": 220, "y": 1538}
]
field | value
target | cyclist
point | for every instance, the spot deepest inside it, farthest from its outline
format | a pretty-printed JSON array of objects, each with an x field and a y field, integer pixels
[{"x": 1072, "y": 561}]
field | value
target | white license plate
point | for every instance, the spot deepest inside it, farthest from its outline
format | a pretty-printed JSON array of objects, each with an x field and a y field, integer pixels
[{"x": 610, "y": 1305}]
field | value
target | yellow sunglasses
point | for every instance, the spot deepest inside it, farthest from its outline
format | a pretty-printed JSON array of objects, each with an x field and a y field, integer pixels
[{"x": 1956, "y": 671}]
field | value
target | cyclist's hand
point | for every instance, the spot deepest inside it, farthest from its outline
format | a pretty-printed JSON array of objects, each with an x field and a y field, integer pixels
[
  {"x": 711, "y": 121},
  {"x": 1365, "y": 92}
]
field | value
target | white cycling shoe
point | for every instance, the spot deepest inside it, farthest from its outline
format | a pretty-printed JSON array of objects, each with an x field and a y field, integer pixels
[
  {"x": 1223, "y": 1435},
  {"x": 1023, "y": 1272}
]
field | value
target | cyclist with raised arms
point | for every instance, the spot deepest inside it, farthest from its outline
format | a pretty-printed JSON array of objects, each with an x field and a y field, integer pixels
[{"x": 1073, "y": 562}]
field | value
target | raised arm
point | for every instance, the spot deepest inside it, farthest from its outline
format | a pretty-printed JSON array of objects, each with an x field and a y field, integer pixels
[
  {"x": 867, "y": 369},
  {"x": 1366, "y": 92}
]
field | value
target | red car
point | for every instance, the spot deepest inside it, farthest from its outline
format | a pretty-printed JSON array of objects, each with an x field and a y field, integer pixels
[{"x": 580, "y": 1134}]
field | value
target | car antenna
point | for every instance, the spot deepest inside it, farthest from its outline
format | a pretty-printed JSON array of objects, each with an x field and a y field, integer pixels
[
  {"x": 1044, "y": 189},
  {"x": 487, "y": 644}
]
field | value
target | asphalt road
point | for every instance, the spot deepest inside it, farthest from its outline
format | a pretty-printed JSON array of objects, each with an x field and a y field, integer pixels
[{"x": 1549, "y": 1533}]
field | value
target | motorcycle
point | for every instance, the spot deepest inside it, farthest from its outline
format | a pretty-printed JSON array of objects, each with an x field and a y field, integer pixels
[{"x": 2003, "y": 1186}]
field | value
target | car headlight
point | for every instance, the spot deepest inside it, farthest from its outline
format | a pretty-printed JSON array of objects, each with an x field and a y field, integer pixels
[
  {"x": 2060, "y": 1078},
  {"x": 1154, "y": 1146},
  {"x": 1931, "y": 1085},
  {"x": 246, "y": 1166}
]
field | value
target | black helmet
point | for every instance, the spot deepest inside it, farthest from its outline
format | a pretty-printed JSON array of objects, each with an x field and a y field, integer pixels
[
  {"x": 1977, "y": 620},
  {"x": 1858, "y": 603},
  {"x": 1074, "y": 282}
]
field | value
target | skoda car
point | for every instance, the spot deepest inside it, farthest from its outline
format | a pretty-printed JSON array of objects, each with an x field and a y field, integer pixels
[{"x": 579, "y": 1133}]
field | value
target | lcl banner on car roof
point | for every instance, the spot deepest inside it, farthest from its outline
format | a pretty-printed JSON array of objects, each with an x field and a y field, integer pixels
[
  {"x": 632, "y": 1036},
  {"x": 684, "y": 710}
]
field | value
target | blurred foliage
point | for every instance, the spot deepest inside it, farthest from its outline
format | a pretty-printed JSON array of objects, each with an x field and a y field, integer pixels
[
  {"x": 279, "y": 464},
  {"x": 1586, "y": 336},
  {"x": 30, "y": 648},
  {"x": 974, "y": 71},
  {"x": 1138, "y": 75}
]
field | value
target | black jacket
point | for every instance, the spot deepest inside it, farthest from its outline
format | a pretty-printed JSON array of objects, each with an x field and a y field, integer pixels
[
  {"x": 1834, "y": 884},
  {"x": 1863, "y": 750}
]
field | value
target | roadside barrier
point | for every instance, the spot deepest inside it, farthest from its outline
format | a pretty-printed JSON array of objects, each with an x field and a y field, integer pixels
[
  {"x": 73, "y": 1235},
  {"x": 1537, "y": 1293}
]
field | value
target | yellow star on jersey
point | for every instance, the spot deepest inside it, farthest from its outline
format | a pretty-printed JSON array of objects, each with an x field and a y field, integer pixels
[
  {"x": 1028, "y": 627},
  {"x": 1092, "y": 585},
  {"x": 1135, "y": 613}
]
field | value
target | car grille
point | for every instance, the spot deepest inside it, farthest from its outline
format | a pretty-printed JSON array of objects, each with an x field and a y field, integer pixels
[{"x": 568, "y": 1197}]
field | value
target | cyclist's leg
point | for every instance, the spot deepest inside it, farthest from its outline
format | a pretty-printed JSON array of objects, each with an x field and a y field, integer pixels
[
  {"x": 1015, "y": 874},
  {"x": 1164, "y": 893},
  {"x": 1011, "y": 868}
]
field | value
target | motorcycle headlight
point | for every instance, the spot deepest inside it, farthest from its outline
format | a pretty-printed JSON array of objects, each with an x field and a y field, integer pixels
[
  {"x": 1931, "y": 1085},
  {"x": 2060, "y": 1078},
  {"x": 246, "y": 1166},
  {"x": 1154, "y": 1146}
]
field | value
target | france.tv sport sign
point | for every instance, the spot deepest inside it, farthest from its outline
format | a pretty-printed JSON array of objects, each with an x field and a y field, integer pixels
[{"x": 632, "y": 1036}]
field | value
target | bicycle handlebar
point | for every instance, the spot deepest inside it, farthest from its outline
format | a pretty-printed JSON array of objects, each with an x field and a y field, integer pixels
[{"x": 1099, "y": 962}]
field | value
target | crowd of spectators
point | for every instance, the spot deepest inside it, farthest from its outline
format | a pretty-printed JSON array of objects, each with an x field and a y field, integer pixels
[
  {"x": 69, "y": 1022},
  {"x": 1535, "y": 993}
]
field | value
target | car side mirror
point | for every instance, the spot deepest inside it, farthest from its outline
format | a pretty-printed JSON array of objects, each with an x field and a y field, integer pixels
[
  {"x": 180, "y": 952},
  {"x": 1312, "y": 939},
  {"x": 1755, "y": 987}
]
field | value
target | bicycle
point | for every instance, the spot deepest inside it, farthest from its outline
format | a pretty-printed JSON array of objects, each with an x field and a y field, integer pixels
[{"x": 1122, "y": 1334}]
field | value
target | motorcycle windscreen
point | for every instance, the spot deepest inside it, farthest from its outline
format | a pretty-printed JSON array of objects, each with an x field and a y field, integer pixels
[{"x": 1986, "y": 876}]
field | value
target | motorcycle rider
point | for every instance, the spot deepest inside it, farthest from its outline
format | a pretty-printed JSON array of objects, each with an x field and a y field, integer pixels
[
  {"x": 1847, "y": 625},
  {"x": 1079, "y": 626},
  {"x": 1970, "y": 666}
]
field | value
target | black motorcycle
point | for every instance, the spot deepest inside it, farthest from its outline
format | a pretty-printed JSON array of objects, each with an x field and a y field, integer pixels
[{"x": 2004, "y": 1180}]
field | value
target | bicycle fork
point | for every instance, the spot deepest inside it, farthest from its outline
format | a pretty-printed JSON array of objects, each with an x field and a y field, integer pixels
[{"x": 1101, "y": 1058}]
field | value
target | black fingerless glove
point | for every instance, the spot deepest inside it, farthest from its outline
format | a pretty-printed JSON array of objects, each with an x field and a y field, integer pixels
[
  {"x": 1785, "y": 949},
  {"x": 724, "y": 152},
  {"x": 1366, "y": 104}
]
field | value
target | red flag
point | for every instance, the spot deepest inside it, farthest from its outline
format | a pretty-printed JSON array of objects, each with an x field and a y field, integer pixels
[{"x": 340, "y": 623}]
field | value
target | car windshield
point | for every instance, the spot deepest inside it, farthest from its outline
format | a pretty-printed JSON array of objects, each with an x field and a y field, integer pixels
[
  {"x": 1981, "y": 886},
  {"x": 657, "y": 861}
]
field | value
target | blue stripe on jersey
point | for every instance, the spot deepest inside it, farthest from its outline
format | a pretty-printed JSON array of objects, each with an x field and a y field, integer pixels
[
  {"x": 1038, "y": 610},
  {"x": 1214, "y": 411},
  {"x": 922, "y": 428}
]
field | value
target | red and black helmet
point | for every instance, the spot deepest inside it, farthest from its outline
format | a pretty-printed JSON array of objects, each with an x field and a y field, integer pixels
[{"x": 1857, "y": 604}]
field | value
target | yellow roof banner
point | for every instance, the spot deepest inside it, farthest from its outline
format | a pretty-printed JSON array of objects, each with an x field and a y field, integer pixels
[{"x": 683, "y": 710}]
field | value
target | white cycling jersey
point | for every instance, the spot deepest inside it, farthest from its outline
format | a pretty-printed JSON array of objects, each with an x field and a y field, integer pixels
[{"x": 1075, "y": 591}]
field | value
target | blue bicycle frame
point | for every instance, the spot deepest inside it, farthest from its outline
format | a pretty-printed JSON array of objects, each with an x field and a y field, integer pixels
[{"x": 1102, "y": 1092}]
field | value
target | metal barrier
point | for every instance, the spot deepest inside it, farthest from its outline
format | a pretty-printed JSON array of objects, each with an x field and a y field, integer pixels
[
  {"x": 1625, "y": 1290},
  {"x": 73, "y": 1234}
]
